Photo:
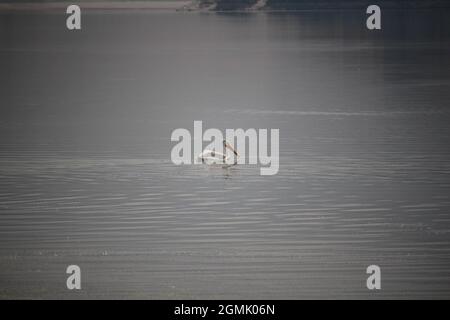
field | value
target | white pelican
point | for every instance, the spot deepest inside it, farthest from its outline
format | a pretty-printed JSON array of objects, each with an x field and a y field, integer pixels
[{"x": 214, "y": 157}]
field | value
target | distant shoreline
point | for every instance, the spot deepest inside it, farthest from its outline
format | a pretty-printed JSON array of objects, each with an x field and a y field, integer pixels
[
  {"x": 188, "y": 6},
  {"x": 97, "y": 5}
]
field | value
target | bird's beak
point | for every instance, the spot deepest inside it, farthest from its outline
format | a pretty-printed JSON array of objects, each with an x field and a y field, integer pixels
[{"x": 232, "y": 149}]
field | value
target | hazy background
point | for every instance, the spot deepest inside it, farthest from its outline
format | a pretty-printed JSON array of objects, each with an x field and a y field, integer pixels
[{"x": 86, "y": 176}]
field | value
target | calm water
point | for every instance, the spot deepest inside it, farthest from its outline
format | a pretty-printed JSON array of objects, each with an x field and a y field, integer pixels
[{"x": 86, "y": 176}]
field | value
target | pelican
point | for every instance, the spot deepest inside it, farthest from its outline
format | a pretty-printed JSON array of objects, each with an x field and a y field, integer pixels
[{"x": 214, "y": 157}]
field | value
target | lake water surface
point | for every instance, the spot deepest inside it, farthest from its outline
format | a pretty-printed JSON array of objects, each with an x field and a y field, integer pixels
[{"x": 86, "y": 176}]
